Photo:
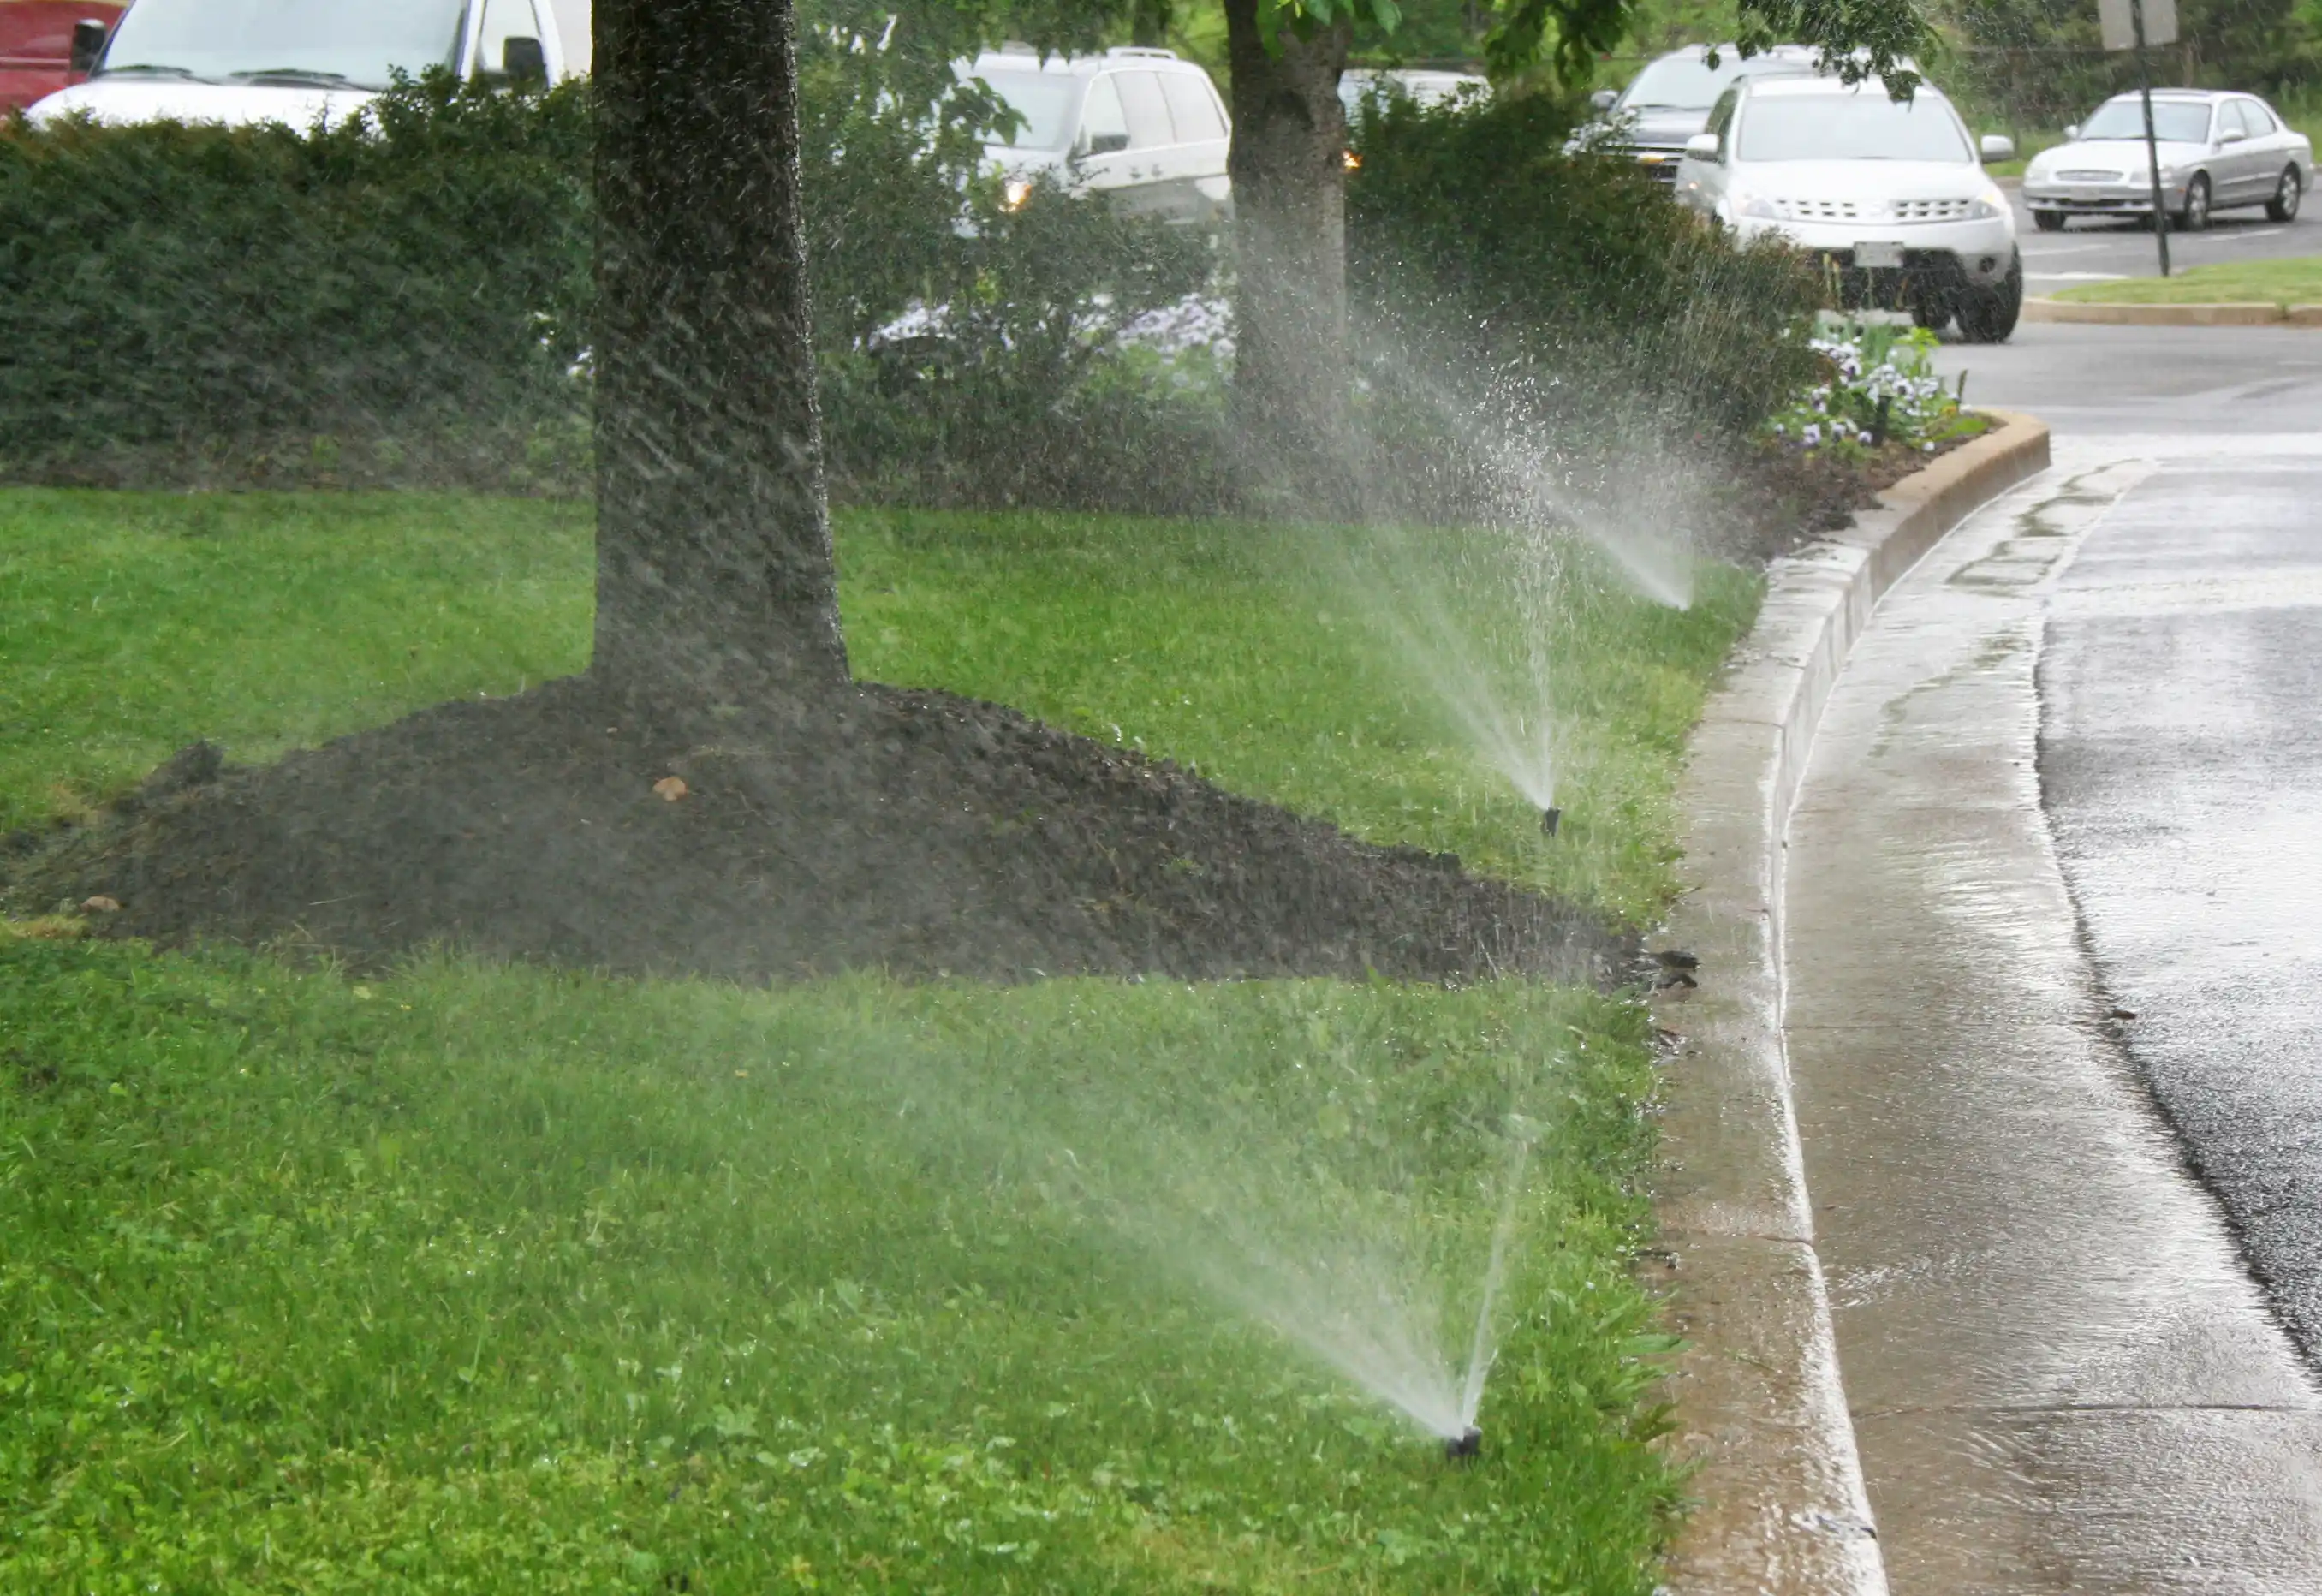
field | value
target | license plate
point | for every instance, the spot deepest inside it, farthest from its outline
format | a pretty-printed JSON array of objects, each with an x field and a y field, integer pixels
[{"x": 1878, "y": 252}]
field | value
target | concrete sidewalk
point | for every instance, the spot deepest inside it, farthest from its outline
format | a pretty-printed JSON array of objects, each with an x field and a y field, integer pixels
[{"x": 2061, "y": 1376}]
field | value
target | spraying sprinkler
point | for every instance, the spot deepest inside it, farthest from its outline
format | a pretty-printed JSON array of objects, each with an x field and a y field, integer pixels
[
  {"x": 1466, "y": 1446},
  {"x": 1548, "y": 818}
]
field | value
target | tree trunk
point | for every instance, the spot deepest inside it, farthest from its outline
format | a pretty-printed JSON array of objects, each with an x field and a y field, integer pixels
[
  {"x": 713, "y": 537},
  {"x": 1288, "y": 164}
]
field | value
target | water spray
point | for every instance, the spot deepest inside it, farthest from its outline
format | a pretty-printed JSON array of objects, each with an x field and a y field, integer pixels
[{"x": 1465, "y": 1447}]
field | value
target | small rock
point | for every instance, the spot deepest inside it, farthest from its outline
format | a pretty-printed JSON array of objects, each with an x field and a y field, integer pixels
[
  {"x": 2123, "y": 1013},
  {"x": 100, "y": 906},
  {"x": 670, "y": 788}
]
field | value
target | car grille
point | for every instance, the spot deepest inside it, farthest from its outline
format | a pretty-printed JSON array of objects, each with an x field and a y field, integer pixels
[
  {"x": 1848, "y": 210},
  {"x": 1930, "y": 210},
  {"x": 2091, "y": 177}
]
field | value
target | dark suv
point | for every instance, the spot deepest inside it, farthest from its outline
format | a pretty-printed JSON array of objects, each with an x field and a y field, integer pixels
[{"x": 1669, "y": 102}]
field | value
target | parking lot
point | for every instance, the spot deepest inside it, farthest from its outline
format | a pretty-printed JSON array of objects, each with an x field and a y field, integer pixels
[{"x": 2093, "y": 251}]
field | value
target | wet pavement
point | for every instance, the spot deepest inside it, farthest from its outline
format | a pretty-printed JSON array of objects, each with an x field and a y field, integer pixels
[
  {"x": 2093, "y": 251},
  {"x": 2181, "y": 761},
  {"x": 2178, "y": 385},
  {"x": 2063, "y": 1375}
]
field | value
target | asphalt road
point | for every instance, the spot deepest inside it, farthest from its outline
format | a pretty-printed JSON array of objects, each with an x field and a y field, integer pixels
[
  {"x": 2175, "y": 385},
  {"x": 2180, "y": 702},
  {"x": 2092, "y": 250}
]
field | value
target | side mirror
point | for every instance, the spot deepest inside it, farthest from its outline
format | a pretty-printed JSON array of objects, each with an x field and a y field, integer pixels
[
  {"x": 1604, "y": 99},
  {"x": 521, "y": 60},
  {"x": 1999, "y": 147},
  {"x": 2232, "y": 135},
  {"x": 87, "y": 46},
  {"x": 1107, "y": 143},
  {"x": 1702, "y": 146},
  {"x": 2071, "y": 132}
]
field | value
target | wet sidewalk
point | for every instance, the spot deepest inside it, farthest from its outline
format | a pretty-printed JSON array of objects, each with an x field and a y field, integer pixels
[{"x": 2061, "y": 1376}]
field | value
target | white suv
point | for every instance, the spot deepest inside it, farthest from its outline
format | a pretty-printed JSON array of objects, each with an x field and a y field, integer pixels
[
  {"x": 1891, "y": 194},
  {"x": 1139, "y": 124}
]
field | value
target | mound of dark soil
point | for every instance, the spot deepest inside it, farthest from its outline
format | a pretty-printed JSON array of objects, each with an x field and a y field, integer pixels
[{"x": 914, "y": 831}]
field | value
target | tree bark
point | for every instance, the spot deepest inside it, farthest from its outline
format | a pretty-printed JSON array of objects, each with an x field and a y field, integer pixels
[
  {"x": 1288, "y": 164},
  {"x": 714, "y": 562}
]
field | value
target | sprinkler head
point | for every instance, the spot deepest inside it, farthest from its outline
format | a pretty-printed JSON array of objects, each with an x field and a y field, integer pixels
[
  {"x": 1466, "y": 1446},
  {"x": 1547, "y": 821}
]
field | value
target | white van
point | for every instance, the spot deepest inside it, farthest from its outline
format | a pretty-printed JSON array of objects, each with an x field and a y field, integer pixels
[
  {"x": 298, "y": 61},
  {"x": 1138, "y": 125}
]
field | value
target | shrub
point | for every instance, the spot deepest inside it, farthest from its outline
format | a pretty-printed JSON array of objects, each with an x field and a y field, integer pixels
[
  {"x": 1469, "y": 226},
  {"x": 406, "y": 298},
  {"x": 410, "y": 290}
]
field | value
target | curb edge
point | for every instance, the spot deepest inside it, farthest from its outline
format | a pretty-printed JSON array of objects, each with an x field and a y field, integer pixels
[
  {"x": 2223, "y": 314},
  {"x": 1781, "y": 1506}
]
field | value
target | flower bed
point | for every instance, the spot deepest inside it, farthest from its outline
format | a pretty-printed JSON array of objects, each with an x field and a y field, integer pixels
[{"x": 1879, "y": 388}]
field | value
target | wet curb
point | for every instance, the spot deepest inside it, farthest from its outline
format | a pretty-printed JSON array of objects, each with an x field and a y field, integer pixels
[
  {"x": 2251, "y": 314},
  {"x": 1757, "y": 1404}
]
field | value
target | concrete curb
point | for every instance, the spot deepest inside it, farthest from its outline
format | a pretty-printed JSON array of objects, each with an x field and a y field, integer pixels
[
  {"x": 2172, "y": 315},
  {"x": 1757, "y": 1401}
]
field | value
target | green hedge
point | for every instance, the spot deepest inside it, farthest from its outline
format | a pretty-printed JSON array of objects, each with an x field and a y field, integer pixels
[
  {"x": 406, "y": 300},
  {"x": 1570, "y": 280},
  {"x": 212, "y": 301}
]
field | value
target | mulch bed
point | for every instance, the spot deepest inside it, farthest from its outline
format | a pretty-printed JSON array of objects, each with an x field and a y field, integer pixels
[
  {"x": 1779, "y": 499},
  {"x": 913, "y": 832}
]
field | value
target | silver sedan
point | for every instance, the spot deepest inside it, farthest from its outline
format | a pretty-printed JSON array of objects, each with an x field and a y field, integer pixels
[{"x": 2217, "y": 150}]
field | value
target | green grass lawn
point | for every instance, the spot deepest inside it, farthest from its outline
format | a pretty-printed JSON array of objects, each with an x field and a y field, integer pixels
[
  {"x": 2249, "y": 282},
  {"x": 481, "y": 1279},
  {"x": 131, "y": 623}
]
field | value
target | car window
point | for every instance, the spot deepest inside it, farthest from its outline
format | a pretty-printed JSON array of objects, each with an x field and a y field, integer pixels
[
  {"x": 1042, "y": 101},
  {"x": 2174, "y": 121},
  {"x": 2257, "y": 118},
  {"x": 504, "y": 20},
  {"x": 1105, "y": 125},
  {"x": 1720, "y": 119},
  {"x": 2229, "y": 119},
  {"x": 1192, "y": 109},
  {"x": 1148, "y": 110}
]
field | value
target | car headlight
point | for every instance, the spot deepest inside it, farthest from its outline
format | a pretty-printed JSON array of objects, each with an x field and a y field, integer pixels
[
  {"x": 1988, "y": 204},
  {"x": 1757, "y": 205},
  {"x": 1014, "y": 192}
]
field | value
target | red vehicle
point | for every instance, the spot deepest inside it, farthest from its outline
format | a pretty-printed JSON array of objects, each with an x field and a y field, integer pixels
[{"x": 36, "y": 39}]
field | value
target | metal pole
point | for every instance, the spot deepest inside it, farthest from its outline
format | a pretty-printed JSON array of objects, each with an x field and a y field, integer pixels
[{"x": 2151, "y": 144}]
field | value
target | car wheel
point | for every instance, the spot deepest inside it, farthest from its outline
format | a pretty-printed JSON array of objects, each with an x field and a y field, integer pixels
[
  {"x": 2283, "y": 205},
  {"x": 1988, "y": 315},
  {"x": 2048, "y": 221},
  {"x": 2195, "y": 216},
  {"x": 1934, "y": 315}
]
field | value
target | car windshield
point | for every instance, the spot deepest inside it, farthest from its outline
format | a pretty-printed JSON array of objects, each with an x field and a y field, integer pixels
[
  {"x": 1851, "y": 127},
  {"x": 2174, "y": 121},
  {"x": 329, "y": 41},
  {"x": 1688, "y": 83},
  {"x": 1680, "y": 83},
  {"x": 1043, "y": 100}
]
